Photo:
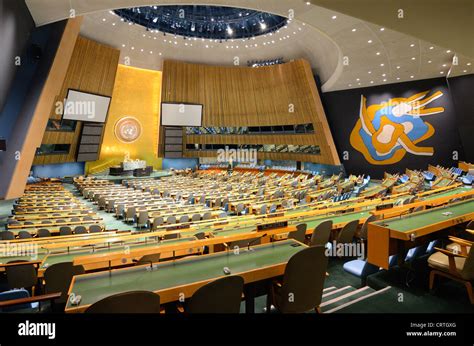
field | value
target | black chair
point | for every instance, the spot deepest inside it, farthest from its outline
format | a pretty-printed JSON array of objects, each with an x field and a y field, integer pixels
[
  {"x": 95, "y": 229},
  {"x": 321, "y": 233},
  {"x": 24, "y": 235},
  {"x": 299, "y": 234},
  {"x": 65, "y": 230},
  {"x": 7, "y": 235},
  {"x": 80, "y": 230},
  {"x": 347, "y": 233},
  {"x": 302, "y": 287},
  {"x": 127, "y": 303},
  {"x": 148, "y": 259},
  {"x": 222, "y": 296},
  {"x": 43, "y": 232},
  {"x": 21, "y": 274},
  {"x": 58, "y": 278}
]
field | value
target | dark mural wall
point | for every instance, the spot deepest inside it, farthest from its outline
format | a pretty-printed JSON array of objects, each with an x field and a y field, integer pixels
[
  {"x": 16, "y": 25},
  {"x": 462, "y": 93},
  {"x": 399, "y": 126}
]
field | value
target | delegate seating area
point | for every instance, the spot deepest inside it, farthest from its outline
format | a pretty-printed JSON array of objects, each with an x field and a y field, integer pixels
[
  {"x": 48, "y": 209},
  {"x": 194, "y": 220}
]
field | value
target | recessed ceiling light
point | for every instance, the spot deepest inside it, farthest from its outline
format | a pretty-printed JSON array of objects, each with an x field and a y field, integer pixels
[
  {"x": 350, "y": 85},
  {"x": 468, "y": 64},
  {"x": 413, "y": 58},
  {"x": 431, "y": 47},
  {"x": 162, "y": 54},
  {"x": 412, "y": 45},
  {"x": 398, "y": 78},
  {"x": 133, "y": 48},
  {"x": 151, "y": 52},
  {"x": 384, "y": 75},
  {"x": 384, "y": 80},
  {"x": 382, "y": 65},
  {"x": 382, "y": 29},
  {"x": 358, "y": 83},
  {"x": 448, "y": 51},
  {"x": 429, "y": 61},
  {"x": 369, "y": 41},
  {"x": 308, "y": 3},
  {"x": 123, "y": 45},
  {"x": 371, "y": 82},
  {"x": 354, "y": 30},
  {"x": 442, "y": 72},
  {"x": 103, "y": 19},
  {"x": 334, "y": 17},
  {"x": 378, "y": 53},
  {"x": 358, "y": 79},
  {"x": 113, "y": 24},
  {"x": 444, "y": 65},
  {"x": 412, "y": 76},
  {"x": 370, "y": 72},
  {"x": 464, "y": 71},
  {"x": 398, "y": 67}
]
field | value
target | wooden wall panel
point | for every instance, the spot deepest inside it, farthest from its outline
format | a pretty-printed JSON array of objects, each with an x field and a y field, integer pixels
[
  {"x": 92, "y": 69},
  {"x": 283, "y": 94}
]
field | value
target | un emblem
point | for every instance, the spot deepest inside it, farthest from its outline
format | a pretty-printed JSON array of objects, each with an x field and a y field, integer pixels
[
  {"x": 386, "y": 132},
  {"x": 128, "y": 129}
]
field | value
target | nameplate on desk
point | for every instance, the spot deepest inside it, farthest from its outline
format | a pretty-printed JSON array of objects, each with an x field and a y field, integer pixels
[
  {"x": 384, "y": 206},
  {"x": 274, "y": 225},
  {"x": 174, "y": 228}
]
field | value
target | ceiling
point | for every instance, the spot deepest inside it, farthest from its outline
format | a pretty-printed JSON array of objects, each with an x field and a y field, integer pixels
[
  {"x": 210, "y": 22},
  {"x": 345, "y": 52}
]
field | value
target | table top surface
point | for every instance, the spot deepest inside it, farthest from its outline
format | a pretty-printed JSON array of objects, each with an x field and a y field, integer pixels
[
  {"x": 94, "y": 287},
  {"x": 428, "y": 217}
]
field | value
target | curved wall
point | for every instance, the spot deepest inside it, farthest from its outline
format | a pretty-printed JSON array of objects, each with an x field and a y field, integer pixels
[{"x": 283, "y": 94}]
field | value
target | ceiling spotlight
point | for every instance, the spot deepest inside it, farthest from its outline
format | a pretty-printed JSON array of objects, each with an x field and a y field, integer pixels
[
  {"x": 382, "y": 29},
  {"x": 468, "y": 64},
  {"x": 263, "y": 25},
  {"x": 229, "y": 30},
  {"x": 412, "y": 45},
  {"x": 155, "y": 19},
  {"x": 354, "y": 30},
  {"x": 334, "y": 17},
  {"x": 369, "y": 41},
  {"x": 431, "y": 48},
  {"x": 448, "y": 51}
]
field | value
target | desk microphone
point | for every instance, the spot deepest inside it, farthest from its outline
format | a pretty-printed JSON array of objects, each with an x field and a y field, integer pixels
[{"x": 254, "y": 241}]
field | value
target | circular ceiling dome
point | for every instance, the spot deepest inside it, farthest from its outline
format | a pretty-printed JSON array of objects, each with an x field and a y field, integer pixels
[{"x": 210, "y": 22}]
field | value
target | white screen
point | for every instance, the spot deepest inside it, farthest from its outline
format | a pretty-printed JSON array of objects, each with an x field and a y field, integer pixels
[
  {"x": 180, "y": 114},
  {"x": 86, "y": 107}
]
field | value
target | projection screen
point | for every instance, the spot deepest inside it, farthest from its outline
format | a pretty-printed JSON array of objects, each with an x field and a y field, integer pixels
[
  {"x": 88, "y": 107},
  {"x": 175, "y": 114}
]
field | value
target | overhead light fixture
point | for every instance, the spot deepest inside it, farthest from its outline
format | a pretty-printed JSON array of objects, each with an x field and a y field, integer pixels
[
  {"x": 229, "y": 30},
  {"x": 334, "y": 17}
]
